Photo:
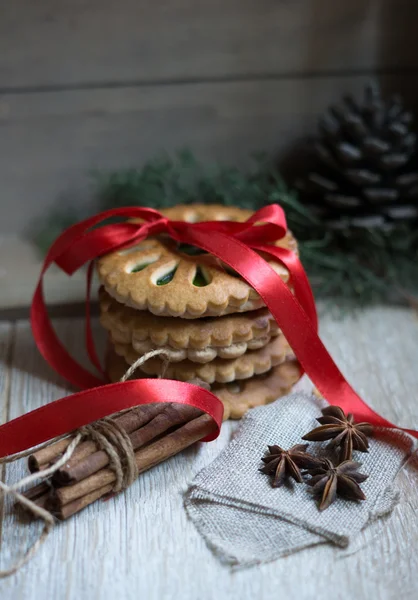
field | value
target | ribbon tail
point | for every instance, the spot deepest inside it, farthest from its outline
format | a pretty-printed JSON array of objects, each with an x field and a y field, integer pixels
[
  {"x": 294, "y": 322},
  {"x": 51, "y": 347},
  {"x": 299, "y": 279}
]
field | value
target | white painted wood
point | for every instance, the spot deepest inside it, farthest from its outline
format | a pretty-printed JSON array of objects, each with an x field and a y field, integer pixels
[
  {"x": 141, "y": 545},
  {"x": 89, "y": 42},
  {"x": 90, "y": 83},
  {"x": 56, "y": 139}
]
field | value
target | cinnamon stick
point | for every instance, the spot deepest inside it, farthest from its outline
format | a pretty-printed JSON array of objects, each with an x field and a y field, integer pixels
[
  {"x": 63, "y": 512},
  {"x": 145, "y": 458},
  {"x": 43, "y": 501},
  {"x": 87, "y": 463},
  {"x": 39, "y": 494},
  {"x": 37, "y": 490},
  {"x": 130, "y": 421},
  {"x": 38, "y": 460}
]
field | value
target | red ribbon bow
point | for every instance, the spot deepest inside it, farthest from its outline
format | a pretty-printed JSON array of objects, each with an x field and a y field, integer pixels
[{"x": 236, "y": 244}]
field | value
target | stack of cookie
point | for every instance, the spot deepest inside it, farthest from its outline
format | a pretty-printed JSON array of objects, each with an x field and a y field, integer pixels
[{"x": 210, "y": 323}]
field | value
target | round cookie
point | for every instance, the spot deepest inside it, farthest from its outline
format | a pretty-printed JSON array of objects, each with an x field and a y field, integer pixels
[
  {"x": 219, "y": 370},
  {"x": 206, "y": 354},
  {"x": 237, "y": 397},
  {"x": 169, "y": 279},
  {"x": 198, "y": 340}
]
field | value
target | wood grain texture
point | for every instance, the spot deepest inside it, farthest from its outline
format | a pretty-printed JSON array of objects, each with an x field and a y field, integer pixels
[
  {"x": 89, "y": 83},
  {"x": 141, "y": 544},
  {"x": 86, "y": 42},
  {"x": 6, "y": 346},
  {"x": 56, "y": 139}
]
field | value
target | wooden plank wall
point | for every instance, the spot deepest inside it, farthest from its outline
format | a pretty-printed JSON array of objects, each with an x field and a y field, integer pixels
[{"x": 98, "y": 83}]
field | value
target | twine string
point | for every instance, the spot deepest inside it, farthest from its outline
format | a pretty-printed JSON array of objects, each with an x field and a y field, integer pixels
[
  {"x": 113, "y": 439},
  {"x": 37, "y": 511},
  {"x": 109, "y": 437}
]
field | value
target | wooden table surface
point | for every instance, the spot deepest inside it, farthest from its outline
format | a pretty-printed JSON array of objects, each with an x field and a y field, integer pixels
[{"x": 141, "y": 544}]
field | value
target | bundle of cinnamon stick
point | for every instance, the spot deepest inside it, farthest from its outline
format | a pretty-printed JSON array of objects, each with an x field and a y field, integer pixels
[{"x": 156, "y": 432}]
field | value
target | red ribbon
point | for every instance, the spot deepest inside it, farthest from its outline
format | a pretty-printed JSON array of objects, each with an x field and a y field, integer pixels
[{"x": 236, "y": 244}]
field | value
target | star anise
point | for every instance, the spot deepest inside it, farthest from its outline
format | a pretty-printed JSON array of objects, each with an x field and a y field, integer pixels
[
  {"x": 328, "y": 481},
  {"x": 342, "y": 430},
  {"x": 282, "y": 463}
]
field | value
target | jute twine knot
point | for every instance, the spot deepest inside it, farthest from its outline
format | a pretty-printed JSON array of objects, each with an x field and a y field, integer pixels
[
  {"x": 114, "y": 440},
  {"x": 108, "y": 436}
]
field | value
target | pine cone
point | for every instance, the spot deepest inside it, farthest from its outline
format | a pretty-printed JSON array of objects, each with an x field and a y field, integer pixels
[{"x": 364, "y": 154}]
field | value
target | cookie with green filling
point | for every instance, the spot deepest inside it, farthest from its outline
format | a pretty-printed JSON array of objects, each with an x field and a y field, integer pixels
[{"x": 171, "y": 279}]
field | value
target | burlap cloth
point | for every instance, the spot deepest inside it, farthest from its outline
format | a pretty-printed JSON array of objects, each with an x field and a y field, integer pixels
[{"x": 245, "y": 521}]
